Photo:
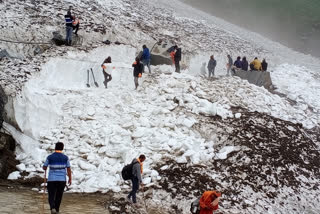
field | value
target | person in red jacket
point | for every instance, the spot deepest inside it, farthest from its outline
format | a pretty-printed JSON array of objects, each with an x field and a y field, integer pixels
[{"x": 209, "y": 202}]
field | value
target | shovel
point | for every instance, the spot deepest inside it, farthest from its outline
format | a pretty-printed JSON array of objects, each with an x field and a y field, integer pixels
[
  {"x": 96, "y": 84},
  {"x": 88, "y": 85}
]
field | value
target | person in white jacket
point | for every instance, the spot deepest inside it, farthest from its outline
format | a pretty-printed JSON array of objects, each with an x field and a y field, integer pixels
[{"x": 107, "y": 69}]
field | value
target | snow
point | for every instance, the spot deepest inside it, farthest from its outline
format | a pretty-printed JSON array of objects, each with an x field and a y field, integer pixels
[
  {"x": 14, "y": 175},
  {"x": 104, "y": 129}
]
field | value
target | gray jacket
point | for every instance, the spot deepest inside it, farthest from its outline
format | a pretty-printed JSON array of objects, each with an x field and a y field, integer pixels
[
  {"x": 212, "y": 64},
  {"x": 136, "y": 169}
]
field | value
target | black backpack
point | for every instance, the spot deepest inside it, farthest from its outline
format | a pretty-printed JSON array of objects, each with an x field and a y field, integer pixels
[
  {"x": 127, "y": 171},
  {"x": 195, "y": 206}
]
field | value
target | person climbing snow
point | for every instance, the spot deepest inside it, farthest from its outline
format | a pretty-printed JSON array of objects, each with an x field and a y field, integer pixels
[
  {"x": 69, "y": 27},
  {"x": 137, "y": 170},
  {"x": 145, "y": 58},
  {"x": 177, "y": 58},
  {"x": 75, "y": 25},
  {"x": 209, "y": 202},
  {"x": 137, "y": 71},
  {"x": 212, "y": 66},
  {"x": 59, "y": 166},
  {"x": 107, "y": 67},
  {"x": 229, "y": 64}
]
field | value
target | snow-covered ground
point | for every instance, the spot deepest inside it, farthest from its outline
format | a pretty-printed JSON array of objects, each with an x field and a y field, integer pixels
[{"x": 179, "y": 121}]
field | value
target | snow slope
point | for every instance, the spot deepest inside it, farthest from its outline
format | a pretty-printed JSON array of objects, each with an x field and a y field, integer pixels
[
  {"x": 103, "y": 129},
  {"x": 182, "y": 122}
]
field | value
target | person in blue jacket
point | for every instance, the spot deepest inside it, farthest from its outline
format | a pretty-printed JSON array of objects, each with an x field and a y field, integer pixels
[
  {"x": 145, "y": 58},
  {"x": 238, "y": 62},
  {"x": 59, "y": 168}
]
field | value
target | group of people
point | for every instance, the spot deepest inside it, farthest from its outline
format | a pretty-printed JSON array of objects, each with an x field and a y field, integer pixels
[
  {"x": 239, "y": 64},
  {"x": 255, "y": 65},
  {"x": 138, "y": 67},
  {"x": 59, "y": 168},
  {"x": 72, "y": 23}
]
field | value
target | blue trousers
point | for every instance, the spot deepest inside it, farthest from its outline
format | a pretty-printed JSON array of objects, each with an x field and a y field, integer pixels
[
  {"x": 69, "y": 35},
  {"x": 146, "y": 62},
  {"x": 135, "y": 188}
]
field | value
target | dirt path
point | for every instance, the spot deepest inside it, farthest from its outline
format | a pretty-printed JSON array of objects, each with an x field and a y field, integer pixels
[{"x": 22, "y": 200}]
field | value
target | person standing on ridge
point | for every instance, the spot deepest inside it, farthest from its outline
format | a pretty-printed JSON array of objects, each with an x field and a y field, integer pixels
[
  {"x": 75, "y": 25},
  {"x": 177, "y": 58},
  {"x": 244, "y": 64},
  {"x": 209, "y": 202},
  {"x": 256, "y": 64},
  {"x": 229, "y": 64},
  {"x": 264, "y": 65},
  {"x": 107, "y": 68},
  {"x": 137, "y": 170},
  {"x": 69, "y": 27},
  {"x": 212, "y": 66},
  {"x": 145, "y": 58},
  {"x": 137, "y": 71},
  {"x": 59, "y": 166}
]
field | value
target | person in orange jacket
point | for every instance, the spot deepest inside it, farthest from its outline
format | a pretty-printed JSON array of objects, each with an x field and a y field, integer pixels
[
  {"x": 209, "y": 202},
  {"x": 75, "y": 25},
  {"x": 172, "y": 56},
  {"x": 137, "y": 71}
]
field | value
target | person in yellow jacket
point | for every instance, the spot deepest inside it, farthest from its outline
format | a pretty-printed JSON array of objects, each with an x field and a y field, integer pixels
[{"x": 256, "y": 65}]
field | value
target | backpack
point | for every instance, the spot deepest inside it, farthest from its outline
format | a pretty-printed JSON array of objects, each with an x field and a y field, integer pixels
[
  {"x": 127, "y": 171},
  {"x": 195, "y": 206}
]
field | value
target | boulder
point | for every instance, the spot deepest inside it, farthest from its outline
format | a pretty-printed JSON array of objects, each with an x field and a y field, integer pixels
[
  {"x": 4, "y": 53},
  {"x": 259, "y": 78},
  {"x": 58, "y": 39},
  {"x": 8, "y": 160}
]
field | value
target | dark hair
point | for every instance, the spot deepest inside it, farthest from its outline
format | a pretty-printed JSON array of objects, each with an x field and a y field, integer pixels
[
  {"x": 256, "y": 58},
  {"x": 175, "y": 47},
  {"x": 144, "y": 46},
  {"x": 244, "y": 58},
  {"x": 59, "y": 146},
  {"x": 108, "y": 60},
  {"x": 143, "y": 157},
  {"x": 137, "y": 59},
  {"x": 239, "y": 57}
]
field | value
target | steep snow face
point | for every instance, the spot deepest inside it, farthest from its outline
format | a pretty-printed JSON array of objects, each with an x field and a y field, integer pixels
[
  {"x": 103, "y": 129},
  {"x": 39, "y": 105}
]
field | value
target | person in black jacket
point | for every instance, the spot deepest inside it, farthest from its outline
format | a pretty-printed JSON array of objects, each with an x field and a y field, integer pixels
[
  {"x": 177, "y": 58},
  {"x": 137, "y": 71},
  {"x": 245, "y": 64},
  {"x": 264, "y": 65}
]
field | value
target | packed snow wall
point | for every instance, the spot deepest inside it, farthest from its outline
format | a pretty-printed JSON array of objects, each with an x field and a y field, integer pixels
[{"x": 39, "y": 105}]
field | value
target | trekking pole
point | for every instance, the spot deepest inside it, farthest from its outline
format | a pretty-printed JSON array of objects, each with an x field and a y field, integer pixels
[
  {"x": 144, "y": 200},
  {"x": 96, "y": 84},
  {"x": 88, "y": 85},
  {"x": 44, "y": 190}
]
